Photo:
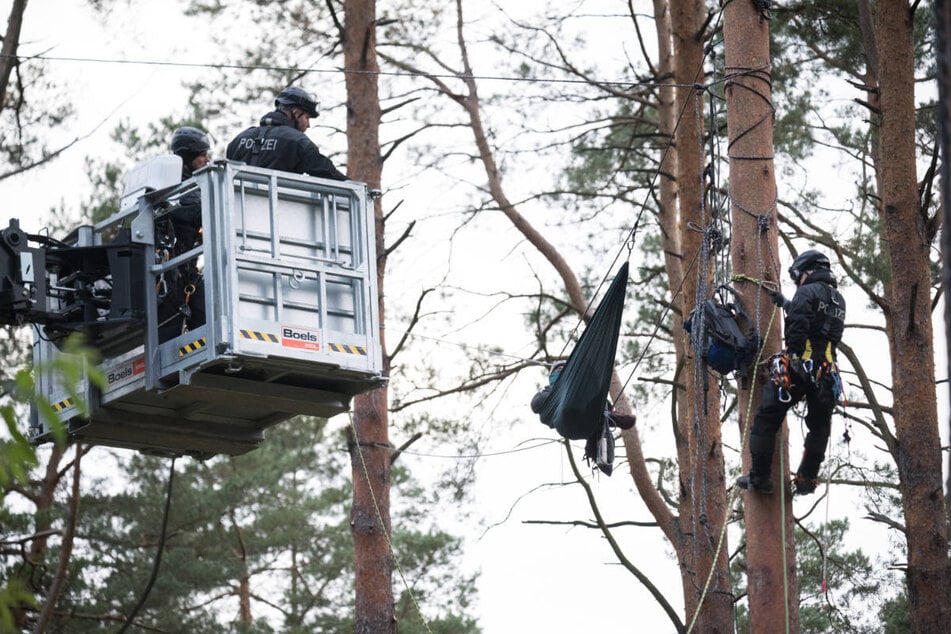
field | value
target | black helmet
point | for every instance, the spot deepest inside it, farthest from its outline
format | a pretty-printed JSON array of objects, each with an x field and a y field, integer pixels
[
  {"x": 189, "y": 142},
  {"x": 295, "y": 96},
  {"x": 807, "y": 261}
]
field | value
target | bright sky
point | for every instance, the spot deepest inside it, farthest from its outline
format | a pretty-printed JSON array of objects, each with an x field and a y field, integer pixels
[{"x": 535, "y": 578}]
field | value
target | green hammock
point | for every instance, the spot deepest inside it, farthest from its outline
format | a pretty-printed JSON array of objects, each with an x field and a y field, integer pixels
[{"x": 576, "y": 403}]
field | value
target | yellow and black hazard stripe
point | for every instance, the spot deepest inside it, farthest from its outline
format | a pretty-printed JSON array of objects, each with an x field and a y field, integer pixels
[
  {"x": 188, "y": 348},
  {"x": 255, "y": 335},
  {"x": 64, "y": 404},
  {"x": 347, "y": 348}
]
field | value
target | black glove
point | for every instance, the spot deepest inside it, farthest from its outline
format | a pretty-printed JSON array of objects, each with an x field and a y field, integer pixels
[{"x": 778, "y": 298}]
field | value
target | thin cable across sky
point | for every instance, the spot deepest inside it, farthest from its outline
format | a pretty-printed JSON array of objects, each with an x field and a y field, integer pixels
[{"x": 295, "y": 69}]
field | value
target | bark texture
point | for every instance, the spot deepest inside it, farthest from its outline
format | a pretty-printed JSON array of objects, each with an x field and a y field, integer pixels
[
  {"x": 369, "y": 449},
  {"x": 770, "y": 549},
  {"x": 908, "y": 321},
  {"x": 702, "y": 504}
]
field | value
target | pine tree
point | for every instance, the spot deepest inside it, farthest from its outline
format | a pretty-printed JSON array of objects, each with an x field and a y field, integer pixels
[{"x": 255, "y": 543}]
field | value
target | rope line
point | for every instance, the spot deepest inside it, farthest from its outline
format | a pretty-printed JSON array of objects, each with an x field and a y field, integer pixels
[
  {"x": 762, "y": 219},
  {"x": 698, "y": 88},
  {"x": 735, "y": 490},
  {"x": 782, "y": 530},
  {"x": 477, "y": 456},
  {"x": 299, "y": 70},
  {"x": 763, "y": 75},
  {"x": 700, "y": 376},
  {"x": 710, "y": 245},
  {"x": 660, "y": 321}
]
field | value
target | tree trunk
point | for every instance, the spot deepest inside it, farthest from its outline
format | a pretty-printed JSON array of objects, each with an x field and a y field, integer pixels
[
  {"x": 942, "y": 9},
  {"x": 705, "y": 572},
  {"x": 9, "y": 50},
  {"x": 370, "y": 455},
  {"x": 66, "y": 547},
  {"x": 771, "y": 552},
  {"x": 909, "y": 326},
  {"x": 667, "y": 122}
]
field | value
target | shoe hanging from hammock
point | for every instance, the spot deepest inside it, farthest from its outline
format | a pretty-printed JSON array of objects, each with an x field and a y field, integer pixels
[{"x": 577, "y": 402}]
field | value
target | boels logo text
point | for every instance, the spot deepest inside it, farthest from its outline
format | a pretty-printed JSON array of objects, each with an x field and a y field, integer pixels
[
  {"x": 126, "y": 372},
  {"x": 300, "y": 338}
]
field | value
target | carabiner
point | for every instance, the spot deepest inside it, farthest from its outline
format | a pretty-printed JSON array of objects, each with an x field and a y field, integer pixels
[{"x": 780, "y": 395}]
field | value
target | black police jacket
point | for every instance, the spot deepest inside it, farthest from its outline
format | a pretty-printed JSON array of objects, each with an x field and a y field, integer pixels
[
  {"x": 186, "y": 220},
  {"x": 277, "y": 144},
  {"x": 815, "y": 318}
]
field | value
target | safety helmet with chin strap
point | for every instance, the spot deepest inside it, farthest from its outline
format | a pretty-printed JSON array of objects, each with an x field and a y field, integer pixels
[
  {"x": 807, "y": 261},
  {"x": 294, "y": 96}
]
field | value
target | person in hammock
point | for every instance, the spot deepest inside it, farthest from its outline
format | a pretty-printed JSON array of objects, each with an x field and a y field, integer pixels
[
  {"x": 574, "y": 424},
  {"x": 575, "y": 401},
  {"x": 624, "y": 421}
]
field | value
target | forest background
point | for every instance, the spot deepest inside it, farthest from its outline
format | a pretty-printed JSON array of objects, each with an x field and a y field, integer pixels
[{"x": 506, "y": 469}]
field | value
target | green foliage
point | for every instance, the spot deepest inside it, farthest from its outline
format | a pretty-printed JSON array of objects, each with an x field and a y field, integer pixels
[
  {"x": 18, "y": 459},
  {"x": 894, "y": 616},
  {"x": 438, "y": 588},
  {"x": 17, "y": 456},
  {"x": 618, "y": 151},
  {"x": 272, "y": 524},
  {"x": 853, "y": 584},
  {"x": 818, "y": 46},
  {"x": 13, "y": 595}
]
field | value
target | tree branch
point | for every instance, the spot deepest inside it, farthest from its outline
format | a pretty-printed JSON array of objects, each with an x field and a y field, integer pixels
[
  {"x": 616, "y": 548},
  {"x": 66, "y": 549}
]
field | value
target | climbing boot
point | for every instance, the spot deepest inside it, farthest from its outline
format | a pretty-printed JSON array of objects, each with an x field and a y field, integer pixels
[
  {"x": 803, "y": 485},
  {"x": 623, "y": 421},
  {"x": 753, "y": 482},
  {"x": 806, "y": 478}
]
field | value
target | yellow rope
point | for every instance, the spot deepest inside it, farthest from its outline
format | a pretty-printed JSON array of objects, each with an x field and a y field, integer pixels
[
  {"x": 782, "y": 513},
  {"x": 739, "y": 277},
  {"x": 379, "y": 514}
]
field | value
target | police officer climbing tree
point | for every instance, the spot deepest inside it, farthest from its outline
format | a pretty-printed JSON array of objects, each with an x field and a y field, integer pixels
[{"x": 815, "y": 319}]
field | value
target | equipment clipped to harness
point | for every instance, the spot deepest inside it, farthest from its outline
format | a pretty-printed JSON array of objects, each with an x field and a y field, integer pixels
[
  {"x": 785, "y": 371},
  {"x": 716, "y": 334},
  {"x": 831, "y": 368},
  {"x": 838, "y": 387},
  {"x": 780, "y": 376}
]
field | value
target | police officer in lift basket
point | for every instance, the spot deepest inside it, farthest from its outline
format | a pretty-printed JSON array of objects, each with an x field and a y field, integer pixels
[
  {"x": 815, "y": 320},
  {"x": 280, "y": 142},
  {"x": 182, "y": 290}
]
